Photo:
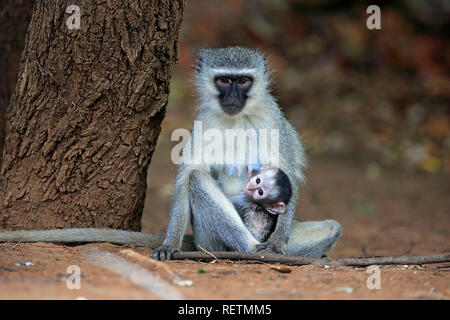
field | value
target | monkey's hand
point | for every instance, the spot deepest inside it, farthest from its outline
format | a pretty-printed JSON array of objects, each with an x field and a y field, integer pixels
[
  {"x": 271, "y": 247},
  {"x": 164, "y": 252}
]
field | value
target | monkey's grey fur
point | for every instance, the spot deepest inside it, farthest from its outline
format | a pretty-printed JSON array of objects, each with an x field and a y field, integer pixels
[
  {"x": 237, "y": 57},
  {"x": 258, "y": 221},
  {"x": 198, "y": 195}
]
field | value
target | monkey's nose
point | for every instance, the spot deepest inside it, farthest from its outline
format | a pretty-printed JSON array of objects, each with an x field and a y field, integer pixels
[
  {"x": 252, "y": 188},
  {"x": 248, "y": 193}
]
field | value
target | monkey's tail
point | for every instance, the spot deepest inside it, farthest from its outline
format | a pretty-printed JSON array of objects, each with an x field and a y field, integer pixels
[{"x": 87, "y": 235}]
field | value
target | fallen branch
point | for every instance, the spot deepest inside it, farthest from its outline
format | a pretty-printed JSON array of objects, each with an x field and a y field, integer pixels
[{"x": 299, "y": 261}]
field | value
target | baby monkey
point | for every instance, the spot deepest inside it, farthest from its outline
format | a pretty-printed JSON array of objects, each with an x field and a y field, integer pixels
[{"x": 266, "y": 195}]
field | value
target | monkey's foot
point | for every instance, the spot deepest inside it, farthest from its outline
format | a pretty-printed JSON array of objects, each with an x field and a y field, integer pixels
[
  {"x": 313, "y": 238},
  {"x": 271, "y": 248},
  {"x": 164, "y": 252}
]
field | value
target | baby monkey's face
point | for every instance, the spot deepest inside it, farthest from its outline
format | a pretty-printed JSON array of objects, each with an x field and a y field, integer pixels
[{"x": 262, "y": 188}]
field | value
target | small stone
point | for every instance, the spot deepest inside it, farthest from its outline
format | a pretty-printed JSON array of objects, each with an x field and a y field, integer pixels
[
  {"x": 183, "y": 283},
  {"x": 344, "y": 289}
]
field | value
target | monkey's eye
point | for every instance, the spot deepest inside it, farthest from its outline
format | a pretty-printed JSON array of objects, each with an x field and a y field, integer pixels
[
  {"x": 243, "y": 81},
  {"x": 258, "y": 180},
  {"x": 260, "y": 192},
  {"x": 223, "y": 81}
]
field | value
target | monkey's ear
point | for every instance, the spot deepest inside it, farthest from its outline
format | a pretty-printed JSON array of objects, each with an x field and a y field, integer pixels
[{"x": 276, "y": 208}]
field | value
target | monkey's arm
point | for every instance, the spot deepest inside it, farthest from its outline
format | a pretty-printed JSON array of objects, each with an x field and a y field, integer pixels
[
  {"x": 292, "y": 162},
  {"x": 216, "y": 223},
  {"x": 241, "y": 203},
  {"x": 278, "y": 240},
  {"x": 180, "y": 213},
  {"x": 86, "y": 235}
]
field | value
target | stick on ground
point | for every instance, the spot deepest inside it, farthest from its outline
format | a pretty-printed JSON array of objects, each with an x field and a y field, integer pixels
[{"x": 299, "y": 261}]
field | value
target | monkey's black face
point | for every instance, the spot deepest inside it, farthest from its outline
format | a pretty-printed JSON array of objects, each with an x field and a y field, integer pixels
[{"x": 233, "y": 90}]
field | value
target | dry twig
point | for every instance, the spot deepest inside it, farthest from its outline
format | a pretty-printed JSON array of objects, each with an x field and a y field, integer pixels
[{"x": 212, "y": 255}]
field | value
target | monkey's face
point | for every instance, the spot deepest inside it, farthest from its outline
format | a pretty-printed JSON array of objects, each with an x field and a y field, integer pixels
[
  {"x": 232, "y": 82},
  {"x": 264, "y": 190},
  {"x": 261, "y": 188},
  {"x": 233, "y": 92}
]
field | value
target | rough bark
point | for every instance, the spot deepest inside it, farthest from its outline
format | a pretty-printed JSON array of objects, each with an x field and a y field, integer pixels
[
  {"x": 15, "y": 17},
  {"x": 86, "y": 113}
]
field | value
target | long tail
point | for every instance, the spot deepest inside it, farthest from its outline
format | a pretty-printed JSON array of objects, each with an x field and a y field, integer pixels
[{"x": 87, "y": 235}]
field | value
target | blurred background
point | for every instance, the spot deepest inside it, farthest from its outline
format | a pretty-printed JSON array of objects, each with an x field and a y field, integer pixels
[{"x": 372, "y": 107}]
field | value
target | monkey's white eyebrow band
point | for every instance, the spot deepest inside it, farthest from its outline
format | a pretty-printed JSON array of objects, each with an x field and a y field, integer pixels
[{"x": 234, "y": 71}]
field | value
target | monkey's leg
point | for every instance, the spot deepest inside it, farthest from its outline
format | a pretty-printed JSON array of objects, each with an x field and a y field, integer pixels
[
  {"x": 313, "y": 238},
  {"x": 217, "y": 225}
]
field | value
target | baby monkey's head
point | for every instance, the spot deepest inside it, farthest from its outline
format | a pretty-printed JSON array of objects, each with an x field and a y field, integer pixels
[{"x": 269, "y": 187}]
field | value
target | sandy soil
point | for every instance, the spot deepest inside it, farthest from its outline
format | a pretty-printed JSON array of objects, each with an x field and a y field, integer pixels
[{"x": 46, "y": 278}]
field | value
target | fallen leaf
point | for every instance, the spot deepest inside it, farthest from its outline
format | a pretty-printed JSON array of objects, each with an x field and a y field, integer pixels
[{"x": 281, "y": 269}]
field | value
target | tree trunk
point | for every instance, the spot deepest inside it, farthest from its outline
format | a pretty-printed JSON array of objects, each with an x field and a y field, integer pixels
[
  {"x": 15, "y": 17},
  {"x": 86, "y": 113}
]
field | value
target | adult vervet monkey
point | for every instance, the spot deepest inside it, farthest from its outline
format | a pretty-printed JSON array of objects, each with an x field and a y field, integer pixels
[
  {"x": 233, "y": 87},
  {"x": 233, "y": 84}
]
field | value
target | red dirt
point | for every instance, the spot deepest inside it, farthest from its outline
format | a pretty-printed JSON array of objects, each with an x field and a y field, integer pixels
[{"x": 46, "y": 279}]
